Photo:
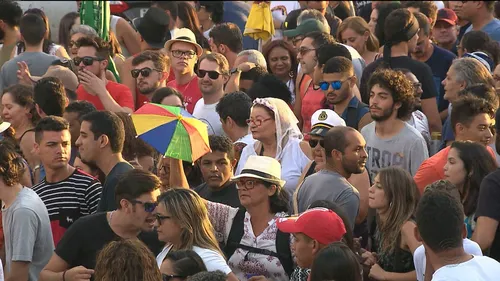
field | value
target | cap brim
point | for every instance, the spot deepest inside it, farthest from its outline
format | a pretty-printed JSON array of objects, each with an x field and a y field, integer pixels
[
  {"x": 319, "y": 131},
  {"x": 291, "y": 33},
  {"x": 4, "y": 126},
  {"x": 168, "y": 44},
  {"x": 281, "y": 183},
  {"x": 450, "y": 22},
  {"x": 288, "y": 225}
]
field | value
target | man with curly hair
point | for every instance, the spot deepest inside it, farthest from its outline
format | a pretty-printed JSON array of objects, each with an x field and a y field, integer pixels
[{"x": 390, "y": 141}]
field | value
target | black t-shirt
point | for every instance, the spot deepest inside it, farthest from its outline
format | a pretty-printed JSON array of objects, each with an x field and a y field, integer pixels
[
  {"x": 439, "y": 62},
  {"x": 227, "y": 195},
  {"x": 107, "y": 202},
  {"x": 488, "y": 205},
  {"x": 421, "y": 70},
  {"x": 82, "y": 242}
]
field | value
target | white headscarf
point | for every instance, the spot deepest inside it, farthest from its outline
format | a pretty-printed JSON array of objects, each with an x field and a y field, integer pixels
[{"x": 285, "y": 120}]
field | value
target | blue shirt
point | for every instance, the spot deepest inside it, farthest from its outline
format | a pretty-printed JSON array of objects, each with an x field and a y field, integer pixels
[
  {"x": 237, "y": 13},
  {"x": 447, "y": 132},
  {"x": 439, "y": 62},
  {"x": 492, "y": 28},
  {"x": 353, "y": 103}
]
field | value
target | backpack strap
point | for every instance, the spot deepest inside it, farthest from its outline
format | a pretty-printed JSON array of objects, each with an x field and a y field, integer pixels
[
  {"x": 235, "y": 234},
  {"x": 353, "y": 113},
  {"x": 284, "y": 251}
]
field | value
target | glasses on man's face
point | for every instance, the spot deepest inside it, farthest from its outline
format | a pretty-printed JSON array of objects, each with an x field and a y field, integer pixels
[
  {"x": 303, "y": 50},
  {"x": 149, "y": 207},
  {"x": 86, "y": 60},
  {"x": 212, "y": 74},
  {"x": 257, "y": 122},
  {"x": 145, "y": 72},
  {"x": 168, "y": 277},
  {"x": 314, "y": 143},
  {"x": 297, "y": 39},
  {"x": 181, "y": 54},
  {"x": 159, "y": 218},
  {"x": 336, "y": 85},
  {"x": 248, "y": 184}
]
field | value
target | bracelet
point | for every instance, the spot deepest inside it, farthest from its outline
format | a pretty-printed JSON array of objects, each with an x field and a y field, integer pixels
[{"x": 64, "y": 275}]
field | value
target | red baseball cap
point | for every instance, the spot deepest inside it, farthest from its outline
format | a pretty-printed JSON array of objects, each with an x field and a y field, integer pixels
[
  {"x": 447, "y": 15},
  {"x": 320, "y": 224}
]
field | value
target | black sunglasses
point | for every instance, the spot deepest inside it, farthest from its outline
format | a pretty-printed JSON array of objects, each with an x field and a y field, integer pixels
[
  {"x": 149, "y": 207},
  {"x": 313, "y": 143},
  {"x": 211, "y": 74},
  {"x": 145, "y": 72},
  {"x": 86, "y": 60},
  {"x": 167, "y": 277},
  {"x": 160, "y": 218}
]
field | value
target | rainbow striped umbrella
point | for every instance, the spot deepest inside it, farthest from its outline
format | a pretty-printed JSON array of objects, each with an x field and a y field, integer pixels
[{"x": 172, "y": 131}]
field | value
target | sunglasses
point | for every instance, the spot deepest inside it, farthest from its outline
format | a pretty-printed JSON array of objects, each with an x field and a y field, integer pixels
[
  {"x": 297, "y": 39},
  {"x": 167, "y": 277},
  {"x": 86, "y": 60},
  {"x": 211, "y": 74},
  {"x": 160, "y": 218},
  {"x": 336, "y": 85},
  {"x": 314, "y": 143},
  {"x": 149, "y": 207},
  {"x": 304, "y": 50},
  {"x": 145, "y": 72}
]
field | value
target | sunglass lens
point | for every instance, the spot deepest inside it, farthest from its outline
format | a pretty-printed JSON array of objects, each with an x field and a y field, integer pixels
[
  {"x": 77, "y": 60},
  {"x": 201, "y": 73},
  {"x": 134, "y": 73},
  {"x": 145, "y": 72},
  {"x": 149, "y": 207},
  {"x": 336, "y": 85},
  {"x": 313, "y": 143},
  {"x": 88, "y": 61},
  {"x": 324, "y": 86},
  {"x": 213, "y": 75}
]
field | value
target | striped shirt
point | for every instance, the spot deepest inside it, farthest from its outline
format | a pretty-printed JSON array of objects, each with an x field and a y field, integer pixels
[{"x": 67, "y": 200}]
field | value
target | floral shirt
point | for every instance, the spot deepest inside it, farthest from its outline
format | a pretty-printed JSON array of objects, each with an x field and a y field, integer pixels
[{"x": 243, "y": 264}]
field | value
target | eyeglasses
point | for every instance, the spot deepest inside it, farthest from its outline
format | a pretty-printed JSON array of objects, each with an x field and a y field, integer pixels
[
  {"x": 212, "y": 74},
  {"x": 336, "y": 85},
  {"x": 86, "y": 60},
  {"x": 314, "y": 143},
  {"x": 145, "y": 72},
  {"x": 297, "y": 39},
  {"x": 303, "y": 50},
  {"x": 72, "y": 43},
  {"x": 257, "y": 122},
  {"x": 248, "y": 185},
  {"x": 180, "y": 54},
  {"x": 167, "y": 277},
  {"x": 149, "y": 207},
  {"x": 160, "y": 218}
]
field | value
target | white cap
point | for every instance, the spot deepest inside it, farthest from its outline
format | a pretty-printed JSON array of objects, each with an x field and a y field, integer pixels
[{"x": 323, "y": 120}]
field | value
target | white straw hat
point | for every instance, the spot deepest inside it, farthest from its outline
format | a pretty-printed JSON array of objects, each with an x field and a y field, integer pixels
[{"x": 262, "y": 167}]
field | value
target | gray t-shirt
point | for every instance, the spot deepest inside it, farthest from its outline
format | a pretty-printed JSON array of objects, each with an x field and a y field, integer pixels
[
  {"x": 406, "y": 150},
  {"x": 331, "y": 186},
  {"x": 28, "y": 236},
  {"x": 38, "y": 63}
]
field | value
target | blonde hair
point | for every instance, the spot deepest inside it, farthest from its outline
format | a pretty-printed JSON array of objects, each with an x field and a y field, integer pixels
[
  {"x": 189, "y": 211},
  {"x": 359, "y": 25},
  {"x": 126, "y": 260}
]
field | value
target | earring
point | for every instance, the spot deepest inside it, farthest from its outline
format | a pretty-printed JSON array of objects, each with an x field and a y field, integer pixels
[{"x": 390, "y": 205}]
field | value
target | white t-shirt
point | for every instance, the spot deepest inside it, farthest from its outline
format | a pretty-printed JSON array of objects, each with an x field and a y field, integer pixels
[
  {"x": 358, "y": 63},
  {"x": 476, "y": 269},
  {"x": 419, "y": 121},
  {"x": 419, "y": 259},
  {"x": 212, "y": 259},
  {"x": 207, "y": 114}
]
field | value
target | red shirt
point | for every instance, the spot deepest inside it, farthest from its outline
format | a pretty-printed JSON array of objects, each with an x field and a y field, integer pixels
[
  {"x": 311, "y": 101},
  {"x": 190, "y": 91},
  {"x": 119, "y": 92}
]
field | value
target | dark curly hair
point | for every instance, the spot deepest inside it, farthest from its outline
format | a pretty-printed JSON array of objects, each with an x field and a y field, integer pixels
[
  {"x": 24, "y": 96},
  {"x": 401, "y": 88},
  {"x": 11, "y": 164},
  {"x": 221, "y": 144}
]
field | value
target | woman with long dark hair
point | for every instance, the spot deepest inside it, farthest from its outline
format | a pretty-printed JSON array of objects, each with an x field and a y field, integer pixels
[
  {"x": 467, "y": 164},
  {"x": 336, "y": 262},
  {"x": 65, "y": 25},
  {"x": 189, "y": 19},
  {"x": 281, "y": 58}
]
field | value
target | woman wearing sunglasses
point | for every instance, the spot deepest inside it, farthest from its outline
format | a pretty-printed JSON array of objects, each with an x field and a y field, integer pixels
[
  {"x": 179, "y": 265},
  {"x": 274, "y": 128},
  {"x": 182, "y": 223}
]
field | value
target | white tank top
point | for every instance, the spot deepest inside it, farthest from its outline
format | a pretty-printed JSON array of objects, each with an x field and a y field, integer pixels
[
  {"x": 112, "y": 25},
  {"x": 293, "y": 163}
]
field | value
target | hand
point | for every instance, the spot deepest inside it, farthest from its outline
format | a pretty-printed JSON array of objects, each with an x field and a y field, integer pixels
[
  {"x": 91, "y": 83},
  {"x": 377, "y": 273},
  {"x": 369, "y": 258},
  {"x": 257, "y": 278},
  {"x": 246, "y": 66},
  {"x": 78, "y": 273},
  {"x": 23, "y": 74}
]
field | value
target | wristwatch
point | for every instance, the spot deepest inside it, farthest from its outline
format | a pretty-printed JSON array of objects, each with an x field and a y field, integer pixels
[{"x": 234, "y": 70}]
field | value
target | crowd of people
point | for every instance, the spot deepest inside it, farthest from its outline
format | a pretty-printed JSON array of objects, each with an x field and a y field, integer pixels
[{"x": 359, "y": 142}]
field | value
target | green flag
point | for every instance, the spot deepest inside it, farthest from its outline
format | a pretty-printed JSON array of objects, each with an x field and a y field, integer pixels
[{"x": 97, "y": 15}]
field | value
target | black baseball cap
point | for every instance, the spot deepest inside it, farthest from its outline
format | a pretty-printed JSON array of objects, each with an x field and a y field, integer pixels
[{"x": 154, "y": 27}]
